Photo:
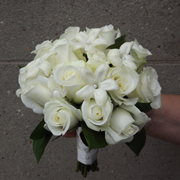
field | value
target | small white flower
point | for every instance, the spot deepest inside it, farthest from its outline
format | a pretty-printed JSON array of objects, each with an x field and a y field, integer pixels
[
  {"x": 43, "y": 47},
  {"x": 96, "y": 84},
  {"x": 121, "y": 57},
  {"x": 70, "y": 33},
  {"x": 89, "y": 40}
]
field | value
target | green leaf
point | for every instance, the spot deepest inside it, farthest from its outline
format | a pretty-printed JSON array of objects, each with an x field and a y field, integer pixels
[
  {"x": 118, "y": 42},
  {"x": 20, "y": 66},
  {"x": 39, "y": 132},
  {"x": 119, "y": 39},
  {"x": 40, "y": 145},
  {"x": 138, "y": 142},
  {"x": 144, "y": 107},
  {"x": 94, "y": 139}
]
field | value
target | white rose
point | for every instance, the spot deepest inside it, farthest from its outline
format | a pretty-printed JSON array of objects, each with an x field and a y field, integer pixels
[
  {"x": 63, "y": 50},
  {"x": 108, "y": 33},
  {"x": 148, "y": 88},
  {"x": 140, "y": 117},
  {"x": 95, "y": 116},
  {"x": 125, "y": 122},
  {"x": 121, "y": 128},
  {"x": 35, "y": 93},
  {"x": 60, "y": 116},
  {"x": 127, "y": 79},
  {"x": 69, "y": 77}
]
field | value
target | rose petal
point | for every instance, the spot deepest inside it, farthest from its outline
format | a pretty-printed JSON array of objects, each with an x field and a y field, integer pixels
[
  {"x": 120, "y": 120},
  {"x": 156, "y": 104},
  {"x": 45, "y": 67},
  {"x": 140, "y": 117},
  {"x": 30, "y": 103},
  {"x": 93, "y": 34},
  {"x": 113, "y": 138},
  {"x": 39, "y": 94}
]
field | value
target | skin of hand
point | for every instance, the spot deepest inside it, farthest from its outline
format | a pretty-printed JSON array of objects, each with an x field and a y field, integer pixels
[
  {"x": 165, "y": 122},
  {"x": 70, "y": 134}
]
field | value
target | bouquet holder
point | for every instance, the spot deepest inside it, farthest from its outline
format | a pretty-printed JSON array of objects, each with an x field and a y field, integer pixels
[{"x": 86, "y": 160}]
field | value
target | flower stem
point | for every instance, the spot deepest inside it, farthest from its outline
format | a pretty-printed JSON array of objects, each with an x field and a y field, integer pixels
[
  {"x": 77, "y": 166},
  {"x": 82, "y": 169},
  {"x": 85, "y": 170}
]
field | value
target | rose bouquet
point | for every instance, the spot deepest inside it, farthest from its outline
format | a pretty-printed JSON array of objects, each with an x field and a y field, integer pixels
[{"x": 92, "y": 82}]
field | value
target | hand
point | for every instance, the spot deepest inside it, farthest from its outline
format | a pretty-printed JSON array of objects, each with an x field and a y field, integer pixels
[
  {"x": 70, "y": 134},
  {"x": 165, "y": 122}
]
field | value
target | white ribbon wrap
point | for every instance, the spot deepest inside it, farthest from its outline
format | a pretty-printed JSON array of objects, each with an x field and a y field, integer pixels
[{"x": 83, "y": 154}]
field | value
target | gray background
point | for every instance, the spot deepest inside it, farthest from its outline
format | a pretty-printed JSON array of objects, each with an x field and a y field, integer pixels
[{"x": 26, "y": 23}]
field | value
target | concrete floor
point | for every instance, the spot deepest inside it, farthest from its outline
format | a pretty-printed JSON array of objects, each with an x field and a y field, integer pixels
[{"x": 23, "y": 24}]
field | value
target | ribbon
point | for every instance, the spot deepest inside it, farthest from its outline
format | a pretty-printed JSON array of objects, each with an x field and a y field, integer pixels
[{"x": 83, "y": 154}]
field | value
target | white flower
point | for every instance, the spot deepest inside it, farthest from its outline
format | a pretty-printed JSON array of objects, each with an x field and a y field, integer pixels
[
  {"x": 63, "y": 51},
  {"x": 97, "y": 58},
  {"x": 121, "y": 128},
  {"x": 120, "y": 57},
  {"x": 148, "y": 88},
  {"x": 60, "y": 116},
  {"x": 140, "y": 51},
  {"x": 55, "y": 89},
  {"x": 97, "y": 84},
  {"x": 140, "y": 117},
  {"x": 39, "y": 66},
  {"x": 127, "y": 80},
  {"x": 109, "y": 34},
  {"x": 34, "y": 93},
  {"x": 34, "y": 68},
  {"x": 95, "y": 116},
  {"x": 68, "y": 76},
  {"x": 43, "y": 47},
  {"x": 70, "y": 33},
  {"x": 89, "y": 39},
  {"x": 125, "y": 122}
]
